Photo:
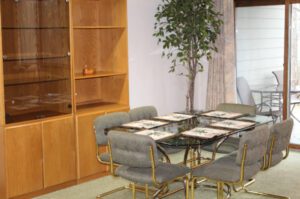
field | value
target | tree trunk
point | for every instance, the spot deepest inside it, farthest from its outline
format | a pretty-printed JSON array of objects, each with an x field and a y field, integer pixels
[{"x": 190, "y": 94}]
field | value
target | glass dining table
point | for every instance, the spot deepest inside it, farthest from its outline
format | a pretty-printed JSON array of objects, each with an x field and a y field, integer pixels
[{"x": 192, "y": 132}]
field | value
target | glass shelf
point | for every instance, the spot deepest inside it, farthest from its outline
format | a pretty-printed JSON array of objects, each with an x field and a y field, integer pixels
[
  {"x": 33, "y": 57},
  {"x": 26, "y": 28},
  {"x": 31, "y": 81}
]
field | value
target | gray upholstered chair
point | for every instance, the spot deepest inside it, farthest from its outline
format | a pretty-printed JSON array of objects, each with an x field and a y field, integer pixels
[
  {"x": 246, "y": 97},
  {"x": 142, "y": 113},
  {"x": 137, "y": 155},
  {"x": 280, "y": 135},
  {"x": 101, "y": 125},
  {"x": 237, "y": 108},
  {"x": 232, "y": 143},
  {"x": 148, "y": 112},
  {"x": 238, "y": 167}
]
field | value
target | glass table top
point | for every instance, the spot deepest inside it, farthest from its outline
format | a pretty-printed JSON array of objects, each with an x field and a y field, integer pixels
[{"x": 175, "y": 129}]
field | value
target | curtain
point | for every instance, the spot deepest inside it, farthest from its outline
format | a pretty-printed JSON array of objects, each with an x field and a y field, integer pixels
[{"x": 221, "y": 85}]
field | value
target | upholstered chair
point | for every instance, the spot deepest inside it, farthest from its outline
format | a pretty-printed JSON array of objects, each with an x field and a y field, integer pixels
[
  {"x": 280, "y": 135},
  {"x": 149, "y": 112},
  {"x": 239, "y": 167},
  {"x": 101, "y": 125},
  {"x": 137, "y": 155},
  {"x": 142, "y": 113},
  {"x": 232, "y": 143},
  {"x": 237, "y": 108}
]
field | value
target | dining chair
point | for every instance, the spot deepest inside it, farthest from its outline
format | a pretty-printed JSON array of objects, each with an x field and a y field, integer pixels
[
  {"x": 279, "y": 140},
  {"x": 149, "y": 112},
  {"x": 101, "y": 125},
  {"x": 142, "y": 113},
  {"x": 138, "y": 157},
  {"x": 239, "y": 167},
  {"x": 246, "y": 97},
  {"x": 231, "y": 143}
]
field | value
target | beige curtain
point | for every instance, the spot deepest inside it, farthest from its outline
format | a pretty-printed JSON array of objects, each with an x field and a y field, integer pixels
[{"x": 221, "y": 85}]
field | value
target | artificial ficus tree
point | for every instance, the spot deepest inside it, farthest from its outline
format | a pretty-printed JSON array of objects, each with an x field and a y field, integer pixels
[{"x": 187, "y": 30}]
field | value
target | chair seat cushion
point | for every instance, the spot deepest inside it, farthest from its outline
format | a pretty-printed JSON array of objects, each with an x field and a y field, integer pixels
[
  {"x": 164, "y": 172},
  {"x": 226, "y": 169}
]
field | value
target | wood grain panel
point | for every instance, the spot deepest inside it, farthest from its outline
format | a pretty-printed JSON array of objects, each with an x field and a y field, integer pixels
[
  {"x": 115, "y": 89},
  {"x": 88, "y": 164},
  {"x": 35, "y": 13},
  {"x": 101, "y": 13},
  {"x": 3, "y": 185},
  {"x": 59, "y": 151},
  {"x": 88, "y": 91},
  {"x": 2, "y": 110},
  {"x": 24, "y": 159}
]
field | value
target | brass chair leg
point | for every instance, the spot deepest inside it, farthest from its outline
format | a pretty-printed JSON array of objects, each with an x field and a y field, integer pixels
[
  {"x": 250, "y": 182},
  {"x": 220, "y": 191},
  {"x": 133, "y": 191},
  {"x": 194, "y": 180},
  {"x": 266, "y": 194},
  {"x": 111, "y": 192},
  {"x": 187, "y": 186},
  {"x": 147, "y": 191}
]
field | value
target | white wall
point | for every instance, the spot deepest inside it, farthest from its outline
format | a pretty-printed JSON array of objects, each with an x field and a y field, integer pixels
[{"x": 149, "y": 80}]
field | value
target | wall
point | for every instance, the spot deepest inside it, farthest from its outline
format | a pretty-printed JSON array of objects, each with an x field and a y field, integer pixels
[
  {"x": 149, "y": 80},
  {"x": 260, "y": 43}
]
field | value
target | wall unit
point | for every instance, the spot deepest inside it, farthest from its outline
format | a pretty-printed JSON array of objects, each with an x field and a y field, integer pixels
[{"x": 47, "y": 103}]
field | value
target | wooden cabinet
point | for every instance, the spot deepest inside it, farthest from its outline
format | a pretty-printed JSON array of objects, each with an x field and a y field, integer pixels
[
  {"x": 59, "y": 150},
  {"x": 47, "y": 103},
  {"x": 24, "y": 159}
]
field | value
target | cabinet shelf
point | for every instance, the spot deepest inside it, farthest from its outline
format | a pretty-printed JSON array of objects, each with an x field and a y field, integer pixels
[
  {"x": 98, "y": 106},
  {"x": 32, "y": 81},
  {"x": 99, "y": 27},
  {"x": 34, "y": 28},
  {"x": 32, "y": 57},
  {"x": 98, "y": 74}
]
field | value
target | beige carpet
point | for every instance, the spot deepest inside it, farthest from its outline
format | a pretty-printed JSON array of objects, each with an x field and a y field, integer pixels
[{"x": 283, "y": 179}]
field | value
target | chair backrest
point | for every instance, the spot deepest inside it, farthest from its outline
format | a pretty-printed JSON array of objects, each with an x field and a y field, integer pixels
[
  {"x": 237, "y": 108},
  {"x": 279, "y": 76},
  {"x": 144, "y": 112},
  {"x": 256, "y": 141},
  {"x": 132, "y": 150},
  {"x": 244, "y": 91},
  {"x": 104, "y": 122},
  {"x": 282, "y": 133}
]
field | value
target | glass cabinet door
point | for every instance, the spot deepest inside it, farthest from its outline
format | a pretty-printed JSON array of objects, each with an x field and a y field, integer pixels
[{"x": 36, "y": 58}]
